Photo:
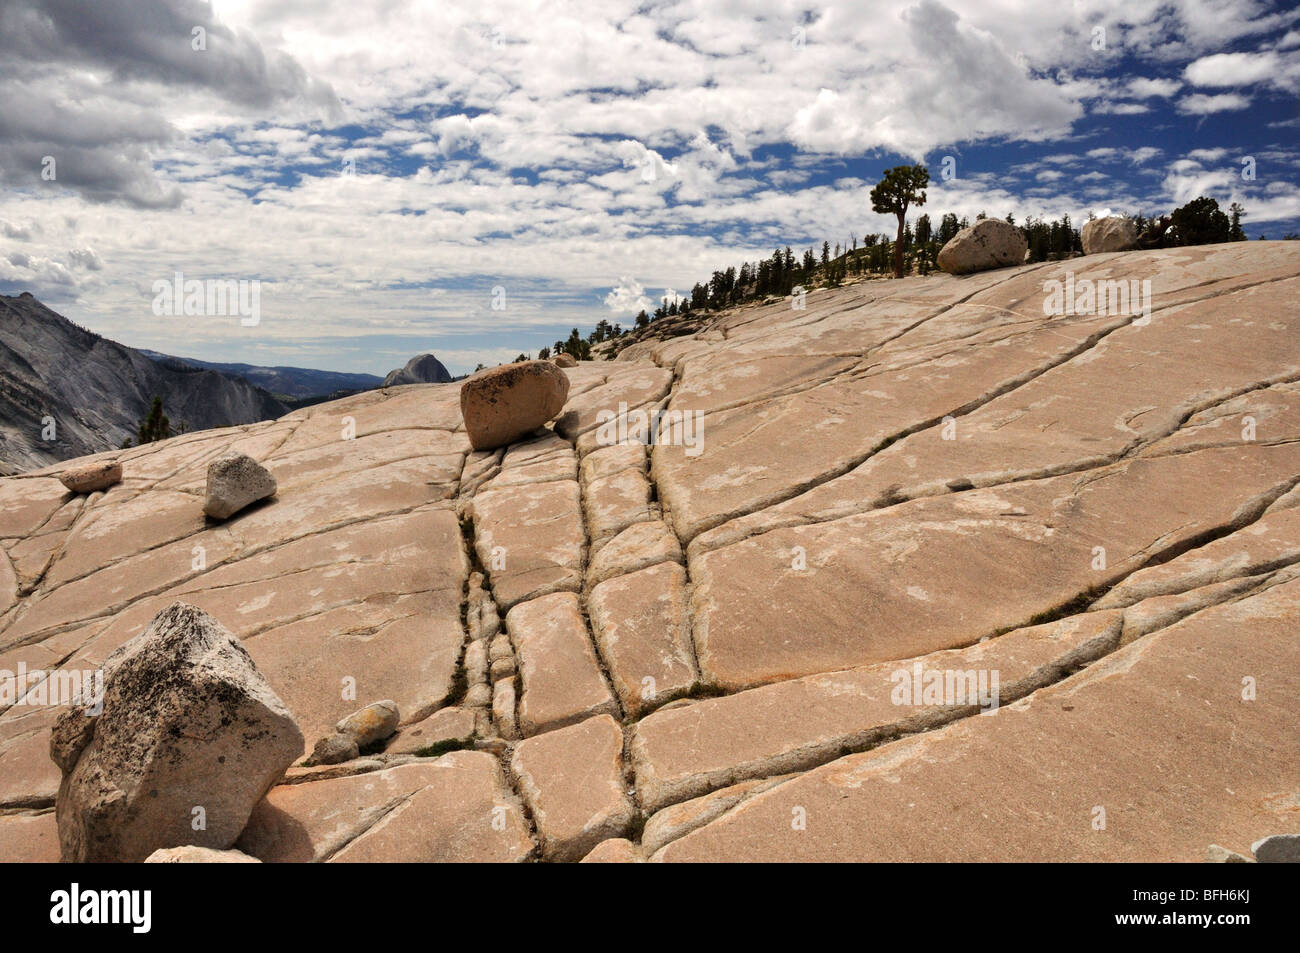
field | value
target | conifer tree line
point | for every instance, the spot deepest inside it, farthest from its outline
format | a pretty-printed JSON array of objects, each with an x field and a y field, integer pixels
[{"x": 913, "y": 249}]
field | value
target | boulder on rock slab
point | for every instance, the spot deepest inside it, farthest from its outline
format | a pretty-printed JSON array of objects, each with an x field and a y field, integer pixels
[
  {"x": 89, "y": 477},
  {"x": 187, "y": 729},
  {"x": 565, "y": 360},
  {"x": 502, "y": 404},
  {"x": 1278, "y": 849},
  {"x": 356, "y": 732},
  {"x": 372, "y": 723},
  {"x": 234, "y": 482},
  {"x": 1113, "y": 233},
  {"x": 190, "y": 854},
  {"x": 990, "y": 243}
]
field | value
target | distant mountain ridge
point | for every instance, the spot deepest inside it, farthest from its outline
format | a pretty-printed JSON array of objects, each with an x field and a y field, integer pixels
[
  {"x": 96, "y": 391},
  {"x": 295, "y": 382}
]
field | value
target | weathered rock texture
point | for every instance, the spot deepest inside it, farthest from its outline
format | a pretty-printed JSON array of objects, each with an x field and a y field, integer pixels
[
  {"x": 990, "y": 243},
  {"x": 1113, "y": 233},
  {"x": 234, "y": 482},
  {"x": 190, "y": 738},
  {"x": 89, "y": 477},
  {"x": 96, "y": 391},
  {"x": 502, "y": 404},
  {"x": 421, "y": 369},
  {"x": 610, "y": 652}
]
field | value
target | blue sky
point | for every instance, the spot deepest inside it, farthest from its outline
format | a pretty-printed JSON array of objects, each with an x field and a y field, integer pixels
[{"x": 388, "y": 170}]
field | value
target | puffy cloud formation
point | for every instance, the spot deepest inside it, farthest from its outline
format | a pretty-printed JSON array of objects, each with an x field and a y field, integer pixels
[{"x": 382, "y": 166}]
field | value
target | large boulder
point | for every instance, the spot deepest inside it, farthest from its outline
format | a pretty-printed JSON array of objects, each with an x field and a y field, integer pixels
[
  {"x": 1113, "y": 233},
  {"x": 990, "y": 243},
  {"x": 565, "y": 360},
  {"x": 234, "y": 482},
  {"x": 89, "y": 477},
  {"x": 190, "y": 736},
  {"x": 421, "y": 369},
  {"x": 502, "y": 404}
]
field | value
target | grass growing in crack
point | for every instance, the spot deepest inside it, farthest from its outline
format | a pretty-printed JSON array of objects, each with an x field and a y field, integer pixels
[
  {"x": 1075, "y": 606},
  {"x": 439, "y": 748},
  {"x": 459, "y": 684},
  {"x": 636, "y": 829}
]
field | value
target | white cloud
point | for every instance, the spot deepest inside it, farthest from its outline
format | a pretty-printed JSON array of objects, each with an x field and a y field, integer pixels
[
  {"x": 550, "y": 153},
  {"x": 1143, "y": 88},
  {"x": 1120, "y": 109},
  {"x": 1200, "y": 104},
  {"x": 628, "y": 297},
  {"x": 1232, "y": 69}
]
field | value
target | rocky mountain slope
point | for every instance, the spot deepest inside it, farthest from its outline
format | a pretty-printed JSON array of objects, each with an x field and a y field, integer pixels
[
  {"x": 772, "y": 638},
  {"x": 284, "y": 381},
  {"x": 96, "y": 391}
]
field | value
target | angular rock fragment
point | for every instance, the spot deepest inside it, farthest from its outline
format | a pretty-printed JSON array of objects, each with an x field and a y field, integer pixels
[
  {"x": 502, "y": 404},
  {"x": 191, "y": 736},
  {"x": 234, "y": 482}
]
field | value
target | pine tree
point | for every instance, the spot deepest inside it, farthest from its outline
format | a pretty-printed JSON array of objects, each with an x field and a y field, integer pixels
[
  {"x": 901, "y": 187},
  {"x": 1235, "y": 232},
  {"x": 156, "y": 426}
]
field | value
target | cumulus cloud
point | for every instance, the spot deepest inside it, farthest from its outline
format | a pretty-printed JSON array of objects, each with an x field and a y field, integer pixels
[
  {"x": 944, "y": 81},
  {"x": 1200, "y": 104},
  {"x": 628, "y": 297},
  {"x": 1232, "y": 69},
  {"x": 1142, "y": 87},
  {"x": 471, "y": 146},
  {"x": 84, "y": 85}
]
